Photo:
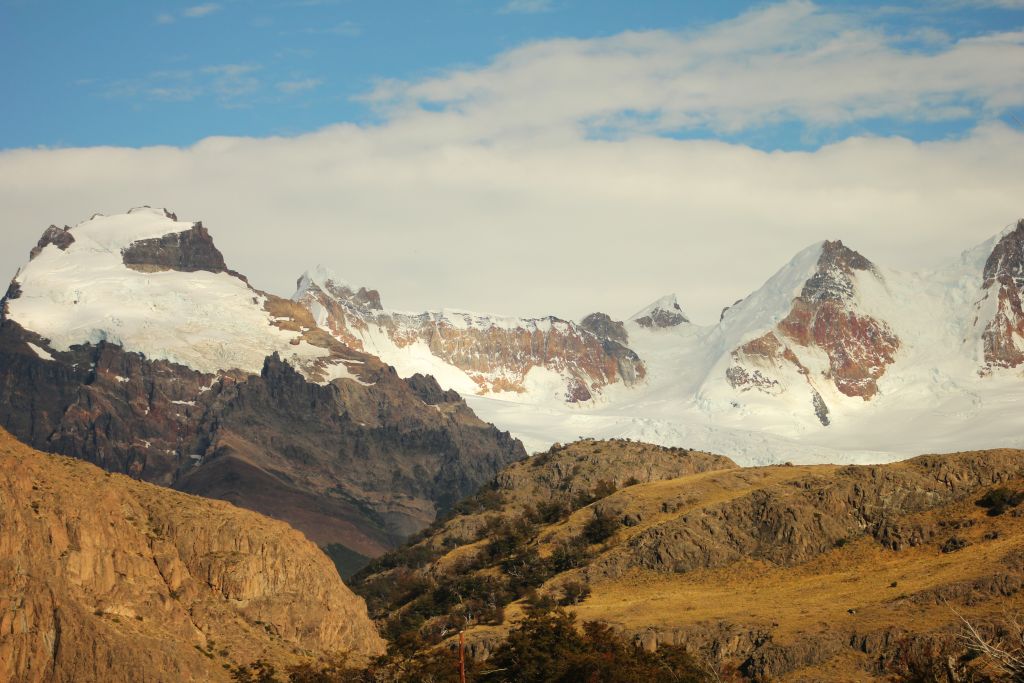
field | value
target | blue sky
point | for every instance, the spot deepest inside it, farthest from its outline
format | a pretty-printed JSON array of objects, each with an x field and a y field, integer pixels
[
  {"x": 147, "y": 73},
  {"x": 521, "y": 156}
]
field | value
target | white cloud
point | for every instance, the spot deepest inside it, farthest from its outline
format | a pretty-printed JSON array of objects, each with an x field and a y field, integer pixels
[
  {"x": 526, "y": 6},
  {"x": 193, "y": 12},
  {"x": 300, "y": 85},
  {"x": 792, "y": 61},
  {"x": 349, "y": 29},
  {"x": 562, "y": 226},
  {"x": 197, "y": 11},
  {"x": 1004, "y": 4},
  {"x": 230, "y": 84},
  {"x": 502, "y": 201}
]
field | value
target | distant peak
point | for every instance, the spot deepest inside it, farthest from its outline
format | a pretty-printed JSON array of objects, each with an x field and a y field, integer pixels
[
  {"x": 602, "y": 326},
  {"x": 323, "y": 278},
  {"x": 1007, "y": 257},
  {"x": 835, "y": 253},
  {"x": 665, "y": 312},
  {"x": 833, "y": 277},
  {"x": 150, "y": 210}
]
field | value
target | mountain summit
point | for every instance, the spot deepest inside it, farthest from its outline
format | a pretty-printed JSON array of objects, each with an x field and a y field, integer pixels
[{"x": 665, "y": 312}]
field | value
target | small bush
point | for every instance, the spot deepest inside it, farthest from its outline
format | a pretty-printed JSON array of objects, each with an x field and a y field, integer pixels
[
  {"x": 573, "y": 593},
  {"x": 997, "y": 501},
  {"x": 601, "y": 527}
]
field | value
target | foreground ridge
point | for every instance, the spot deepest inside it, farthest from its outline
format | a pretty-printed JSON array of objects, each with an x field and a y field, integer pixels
[{"x": 774, "y": 573}]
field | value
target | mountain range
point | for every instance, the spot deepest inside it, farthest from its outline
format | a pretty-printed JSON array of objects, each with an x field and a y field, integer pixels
[
  {"x": 126, "y": 340},
  {"x": 836, "y": 358}
]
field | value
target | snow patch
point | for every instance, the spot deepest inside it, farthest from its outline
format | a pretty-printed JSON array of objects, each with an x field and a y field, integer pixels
[
  {"x": 40, "y": 351},
  {"x": 210, "y": 322}
]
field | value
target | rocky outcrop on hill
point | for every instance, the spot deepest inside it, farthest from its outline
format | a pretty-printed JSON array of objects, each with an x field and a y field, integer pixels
[
  {"x": 788, "y": 524},
  {"x": 492, "y": 354},
  {"x": 106, "y": 578},
  {"x": 216, "y": 388},
  {"x": 780, "y": 573},
  {"x": 580, "y": 466}
]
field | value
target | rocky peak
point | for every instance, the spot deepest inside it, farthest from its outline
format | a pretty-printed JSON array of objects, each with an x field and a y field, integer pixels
[
  {"x": 61, "y": 237},
  {"x": 187, "y": 251},
  {"x": 325, "y": 279},
  {"x": 833, "y": 277},
  {"x": 663, "y": 313},
  {"x": 1007, "y": 259},
  {"x": 601, "y": 325},
  {"x": 825, "y": 318},
  {"x": 1003, "y": 334}
]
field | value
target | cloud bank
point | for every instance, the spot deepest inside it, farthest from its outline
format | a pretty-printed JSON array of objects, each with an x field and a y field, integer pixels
[{"x": 545, "y": 182}]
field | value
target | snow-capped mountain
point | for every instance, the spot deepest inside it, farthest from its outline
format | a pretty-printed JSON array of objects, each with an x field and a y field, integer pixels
[
  {"x": 525, "y": 359},
  {"x": 665, "y": 312},
  {"x": 835, "y": 358},
  {"x": 126, "y": 341},
  {"x": 151, "y": 284}
]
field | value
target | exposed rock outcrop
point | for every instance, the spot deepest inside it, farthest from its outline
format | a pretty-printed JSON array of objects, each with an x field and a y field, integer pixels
[
  {"x": 1002, "y": 281},
  {"x": 186, "y": 251},
  {"x": 61, "y": 237},
  {"x": 602, "y": 325},
  {"x": 106, "y": 578}
]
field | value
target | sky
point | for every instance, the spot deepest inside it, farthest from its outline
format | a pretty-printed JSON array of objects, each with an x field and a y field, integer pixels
[{"x": 525, "y": 157}]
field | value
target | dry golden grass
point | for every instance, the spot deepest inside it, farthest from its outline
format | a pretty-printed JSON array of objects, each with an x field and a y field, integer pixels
[{"x": 860, "y": 588}]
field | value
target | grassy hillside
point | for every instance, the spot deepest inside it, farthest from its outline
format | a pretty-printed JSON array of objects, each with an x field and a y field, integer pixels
[{"x": 816, "y": 573}]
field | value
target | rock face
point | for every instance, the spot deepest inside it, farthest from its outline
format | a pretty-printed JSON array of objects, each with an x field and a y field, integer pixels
[
  {"x": 1002, "y": 281},
  {"x": 186, "y": 251},
  {"x": 663, "y": 313},
  {"x": 824, "y": 319},
  {"x": 106, "y": 578},
  {"x": 601, "y": 325},
  {"x": 327, "y": 438},
  {"x": 479, "y": 353},
  {"x": 61, "y": 237}
]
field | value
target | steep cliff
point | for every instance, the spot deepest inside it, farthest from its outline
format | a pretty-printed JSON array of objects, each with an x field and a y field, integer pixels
[{"x": 107, "y": 578}]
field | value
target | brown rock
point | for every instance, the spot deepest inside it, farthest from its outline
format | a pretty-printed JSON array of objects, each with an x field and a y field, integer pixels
[
  {"x": 106, "y": 578},
  {"x": 1003, "y": 278}
]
